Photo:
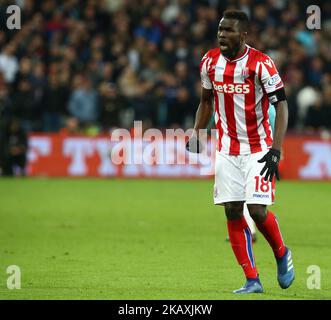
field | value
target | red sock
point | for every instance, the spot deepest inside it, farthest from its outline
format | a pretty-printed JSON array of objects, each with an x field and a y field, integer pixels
[
  {"x": 270, "y": 230},
  {"x": 241, "y": 242}
]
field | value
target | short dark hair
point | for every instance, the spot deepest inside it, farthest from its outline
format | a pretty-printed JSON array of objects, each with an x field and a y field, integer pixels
[{"x": 239, "y": 15}]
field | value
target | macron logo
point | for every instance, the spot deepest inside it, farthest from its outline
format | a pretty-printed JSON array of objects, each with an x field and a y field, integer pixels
[{"x": 256, "y": 195}]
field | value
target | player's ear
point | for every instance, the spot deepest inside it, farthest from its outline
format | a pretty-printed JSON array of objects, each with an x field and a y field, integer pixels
[{"x": 243, "y": 36}]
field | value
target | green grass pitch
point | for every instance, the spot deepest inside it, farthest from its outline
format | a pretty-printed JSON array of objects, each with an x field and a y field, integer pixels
[{"x": 149, "y": 239}]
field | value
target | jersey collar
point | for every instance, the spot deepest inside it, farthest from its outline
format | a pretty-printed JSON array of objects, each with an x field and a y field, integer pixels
[{"x": 240, "y": 57}]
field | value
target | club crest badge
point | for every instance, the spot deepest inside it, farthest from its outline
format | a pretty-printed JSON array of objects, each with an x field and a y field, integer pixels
[{"x": 245, "y": 73}]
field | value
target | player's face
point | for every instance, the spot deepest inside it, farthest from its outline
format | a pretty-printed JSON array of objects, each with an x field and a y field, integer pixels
[{"x": 229, "y": 37}]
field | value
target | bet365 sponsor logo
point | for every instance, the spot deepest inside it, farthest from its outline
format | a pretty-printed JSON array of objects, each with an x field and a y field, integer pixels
[{"x": 231, "y": 87}]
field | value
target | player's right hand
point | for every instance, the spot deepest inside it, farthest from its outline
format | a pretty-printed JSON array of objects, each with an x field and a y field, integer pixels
[
  {"x": 194, "y": 145},
  {"x": 271, "y": 159}
]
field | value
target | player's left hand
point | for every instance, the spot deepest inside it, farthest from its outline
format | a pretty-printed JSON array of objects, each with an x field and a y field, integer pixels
[
  {"x": 194, "y": 145},
  {"x": 271, "y": 159}
]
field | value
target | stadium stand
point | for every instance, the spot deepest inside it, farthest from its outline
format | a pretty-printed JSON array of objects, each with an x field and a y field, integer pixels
[{"x": 90, "y": 66}]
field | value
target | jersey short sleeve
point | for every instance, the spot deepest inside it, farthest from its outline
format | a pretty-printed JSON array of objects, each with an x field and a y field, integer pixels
[
  {"x": 205, "y": 81},
  {"x": 269, "y": 76}
]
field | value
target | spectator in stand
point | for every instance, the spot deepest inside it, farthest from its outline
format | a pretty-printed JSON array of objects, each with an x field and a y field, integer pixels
[
  {"x": 314, "y": 117},
  {"x": 319, "y": 114},
  {"x": 54, "y": 102},
  {"x": 26, "y": 106},
  {"x": 24, "y": 72},
  {"x": 83, "y": 102},
  {"x": 71, "y": 127},
  {"x": 111, "y": 106},
  {"x": 9, "y": 65},
  {"x": 5, "y": 102},
  {"x": 326, "y": 107},
  {"x": 140, "y": 45},
  {"x": 168, "y": 54},
  {"x": 15, "y": 147},
  {"x": 148, "y": 31},
  {"x": 183, "y": 106},
  {"x": 5, "y": 113},
  {"x": 315, "y": 72}
]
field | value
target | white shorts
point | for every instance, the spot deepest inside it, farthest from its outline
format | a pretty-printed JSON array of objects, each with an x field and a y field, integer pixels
[{"x": 237, "y": 178}]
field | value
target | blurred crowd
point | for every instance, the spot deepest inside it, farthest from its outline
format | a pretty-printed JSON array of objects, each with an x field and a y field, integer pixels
[{"x": 93, "y": 65}]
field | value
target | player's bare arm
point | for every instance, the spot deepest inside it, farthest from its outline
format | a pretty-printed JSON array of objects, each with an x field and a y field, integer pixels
[
  {"x": 202, "y": 117},
  {"x": 205, "y": 110},
  {"x": 280, "y": 124}
]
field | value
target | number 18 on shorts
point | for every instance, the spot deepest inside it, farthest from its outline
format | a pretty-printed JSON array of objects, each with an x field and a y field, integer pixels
[{"x": 237, "y": 178}]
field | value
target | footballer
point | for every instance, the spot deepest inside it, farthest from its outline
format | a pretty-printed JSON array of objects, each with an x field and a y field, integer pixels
[{"x": 238, "y": 83}]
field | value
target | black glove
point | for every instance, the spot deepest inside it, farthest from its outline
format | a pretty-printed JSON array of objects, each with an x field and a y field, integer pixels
[
  {"x": 194, "y": 145},
  {"x": 271, "y": 160}
]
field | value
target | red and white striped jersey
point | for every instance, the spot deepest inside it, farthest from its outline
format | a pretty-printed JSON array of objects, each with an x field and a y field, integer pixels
[{"x": 241, "y": 89}]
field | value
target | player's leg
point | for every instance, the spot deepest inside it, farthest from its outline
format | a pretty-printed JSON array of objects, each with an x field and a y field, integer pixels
[
  {"x": 267, "y": 224},
  {"x": 259, "y": 194},
  {"x": 229, "y": 191},
  {"x": 240, "y": 238},
  {"x": 242, "y": 246},
  {"x": 250, "y": 222}
]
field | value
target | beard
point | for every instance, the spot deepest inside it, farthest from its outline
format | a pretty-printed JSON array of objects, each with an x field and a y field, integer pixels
[{"x": 234, "y": 52}]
